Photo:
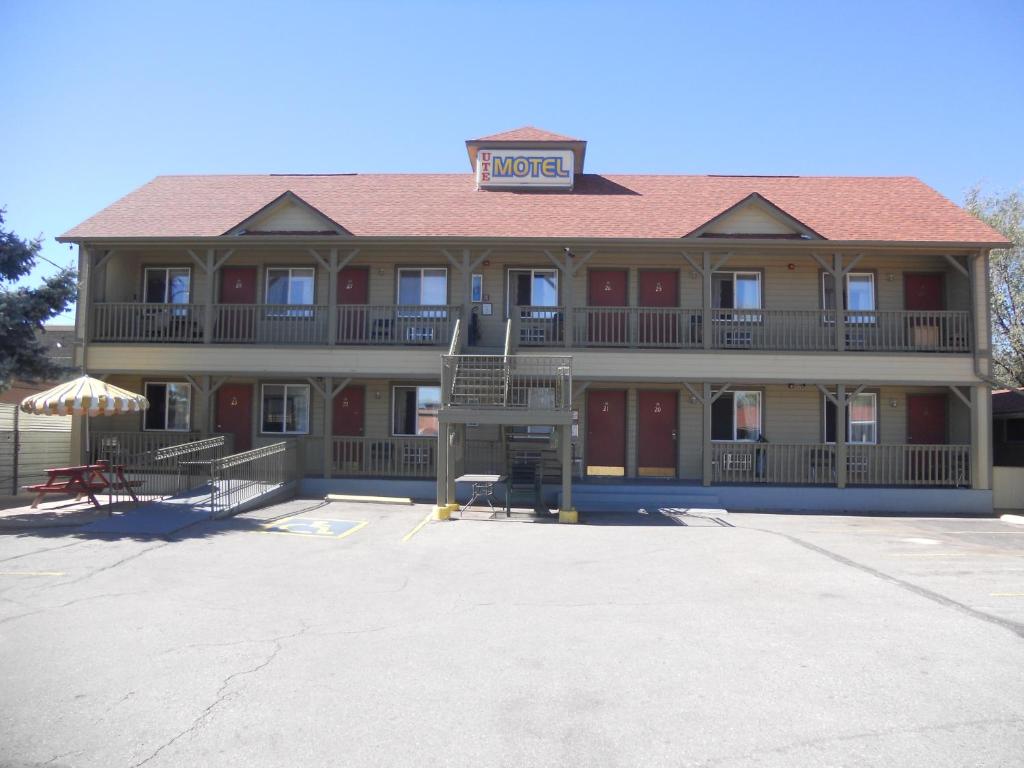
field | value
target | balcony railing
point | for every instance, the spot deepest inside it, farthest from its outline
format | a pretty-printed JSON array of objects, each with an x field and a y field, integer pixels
[
  {"x": 273, "y": 324},
  {"x": 761, "y": 329},
  {"x": 283, "y": 324},
  {"x": 815, "y": 464},
  {"x": 777, "y": 330},
  {"x": 383, "y": 457},
  {"x": 147, "y": 323},
  {"x": 396, "y": 325},
  {"x": 512, "y": 381}
]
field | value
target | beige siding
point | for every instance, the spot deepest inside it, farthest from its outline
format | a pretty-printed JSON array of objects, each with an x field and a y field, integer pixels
[{"x": 750, "y": 219}]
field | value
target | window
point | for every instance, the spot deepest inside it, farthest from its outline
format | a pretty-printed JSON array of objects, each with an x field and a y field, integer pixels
[
  {"x": 533, "y": 288},
  {"x": 1014, "y": 430},
  {"x": 415, "y": 411},
  {"x": 476, "y": 291},
  {"x": 168, "y": 285},
  {"x": 170, "y": 404},
  {"x": 736, "y": 290},
  {"x": 287, "y": 286},
  {"x": 285, "y": 409},
  {"x": 862, "y": 419},
  {"x": 736, "y": 416},
  {"x": 859, "y": 295},
  {"x": 423, "y": 287}
]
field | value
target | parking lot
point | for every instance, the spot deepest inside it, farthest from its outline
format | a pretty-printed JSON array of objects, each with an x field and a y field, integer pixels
[{"x": 341, "y": 634}]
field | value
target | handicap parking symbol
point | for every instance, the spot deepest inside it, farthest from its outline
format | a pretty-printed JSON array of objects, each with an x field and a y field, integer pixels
[{"x": 312, "y": 526}]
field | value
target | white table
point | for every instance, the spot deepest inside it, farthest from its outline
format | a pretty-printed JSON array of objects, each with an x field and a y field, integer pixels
[{"x": 483, "y": 488}]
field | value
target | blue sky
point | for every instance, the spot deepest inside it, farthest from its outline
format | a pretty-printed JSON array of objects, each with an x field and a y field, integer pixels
[{"x": 100, "y": 97}]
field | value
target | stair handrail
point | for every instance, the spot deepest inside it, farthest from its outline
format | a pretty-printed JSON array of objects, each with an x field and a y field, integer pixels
[{"x": 456, "y": 346}]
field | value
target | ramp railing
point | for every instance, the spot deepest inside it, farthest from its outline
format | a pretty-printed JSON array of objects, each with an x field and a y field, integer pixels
[{"x": 241, "y": 477}]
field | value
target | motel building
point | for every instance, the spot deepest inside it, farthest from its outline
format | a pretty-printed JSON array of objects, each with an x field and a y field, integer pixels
[{"x": 607, "y": 341}]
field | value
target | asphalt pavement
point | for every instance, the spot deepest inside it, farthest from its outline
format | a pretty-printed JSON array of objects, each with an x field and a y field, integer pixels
[{"x": 341, "y": 634}]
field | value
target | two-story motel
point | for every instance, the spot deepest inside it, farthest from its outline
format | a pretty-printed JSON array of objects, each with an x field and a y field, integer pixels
[{"x": 752, "y": 342}]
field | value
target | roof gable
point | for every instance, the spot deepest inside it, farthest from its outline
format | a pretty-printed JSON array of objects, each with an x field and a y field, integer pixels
[
  {"x": 288, "y": 214},
  {"x": 526, "y": 133},
  {"x": 755, "y": 216}
]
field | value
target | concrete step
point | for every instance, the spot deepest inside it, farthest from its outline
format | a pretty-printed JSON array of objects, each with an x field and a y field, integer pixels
[{"x": 623, "y": 498}]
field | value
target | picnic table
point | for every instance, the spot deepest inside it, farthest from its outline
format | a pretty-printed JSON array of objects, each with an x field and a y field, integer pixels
[{"x": 84, "y": 480}]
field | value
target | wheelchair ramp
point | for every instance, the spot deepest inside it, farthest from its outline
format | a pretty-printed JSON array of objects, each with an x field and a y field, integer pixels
[{"x": 158, "y": 518}]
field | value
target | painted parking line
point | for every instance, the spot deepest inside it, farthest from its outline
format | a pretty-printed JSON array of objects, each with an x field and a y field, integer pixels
[
  {"x": 1006, "y": 594},
  {"x": 314, "y": 526},
  {"x": 32, "y": 573},
  {"x": 419, "y": 526}
]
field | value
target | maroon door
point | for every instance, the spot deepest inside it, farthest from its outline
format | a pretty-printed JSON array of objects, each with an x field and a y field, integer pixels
[
  {"x": 656, "y": 439},
  {"x": 607, "y": 288},
  {"x": 926, "y": 419},
  {"x": 659, "y": 288},
  {"x": 606, "y": 432},
  {"x": 237, "y": 286},
  {"x": 353, "y": 294},
  {"x": 348, "y": 419},
  {"x": 234, "y": 414},
  {"x": 924, "y": 293}
]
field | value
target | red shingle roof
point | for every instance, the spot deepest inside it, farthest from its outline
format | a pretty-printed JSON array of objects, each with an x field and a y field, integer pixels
[
  {"x": 526, "y": 133},
  {"x": 893, "y": 209}
]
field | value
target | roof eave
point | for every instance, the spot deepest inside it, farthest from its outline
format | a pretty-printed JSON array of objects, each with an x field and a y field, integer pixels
[{"x": 696, "y": 243}]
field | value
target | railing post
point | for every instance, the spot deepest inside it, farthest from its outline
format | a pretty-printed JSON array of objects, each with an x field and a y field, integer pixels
[
  {"x": 706, "y": 433},
  {"x": 706, "y": 313},
  {"x": 841, "y": 435},
  {"x": 566, "y": 512},
  {"x": 839, "y": 295}
]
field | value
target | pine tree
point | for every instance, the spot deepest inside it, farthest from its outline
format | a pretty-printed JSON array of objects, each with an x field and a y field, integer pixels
[{"x": 24, "y": 310}]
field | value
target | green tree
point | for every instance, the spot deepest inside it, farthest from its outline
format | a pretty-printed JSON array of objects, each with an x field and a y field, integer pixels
[
  {"x": 1005, "y": 213},
  {"x": 24, "y": 310}
]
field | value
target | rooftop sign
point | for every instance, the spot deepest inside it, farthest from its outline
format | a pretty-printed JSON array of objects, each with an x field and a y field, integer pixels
[{"x": 518, "y": 167}]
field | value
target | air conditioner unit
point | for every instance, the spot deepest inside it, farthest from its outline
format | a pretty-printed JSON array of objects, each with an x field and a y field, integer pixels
[
  {"x": 419, "y": 334},
  {"x": 737, "y": 338},
  {"x": 737, "y": 462}
]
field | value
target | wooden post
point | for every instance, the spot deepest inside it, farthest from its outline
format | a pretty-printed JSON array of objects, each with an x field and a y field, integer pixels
[
  {"x": 705, "y": 298},
  {"x": 566, "y": 511},
  {"x": 841, "y": 406},
  {"x": 706, "y": 432},
  {"x": 442, "y": 469},
  {"x": 328, "y": 462},
  {"x": 631, "y": 432},
  {"x": 838, "y": 294},
  {"x": 332, "y": 302},
  {"x": 567, "y": 276}
]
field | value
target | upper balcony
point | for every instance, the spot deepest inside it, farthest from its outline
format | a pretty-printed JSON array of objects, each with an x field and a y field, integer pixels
[
  {"x": 273, "y": 324},
  {"x": 772, "y": 330}
]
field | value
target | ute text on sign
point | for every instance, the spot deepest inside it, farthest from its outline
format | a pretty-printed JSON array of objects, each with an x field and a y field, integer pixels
[{"x": 519, "y": 167}]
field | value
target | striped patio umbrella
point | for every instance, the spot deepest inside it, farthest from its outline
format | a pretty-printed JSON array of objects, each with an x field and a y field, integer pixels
[{"x": 85, "y": 396}]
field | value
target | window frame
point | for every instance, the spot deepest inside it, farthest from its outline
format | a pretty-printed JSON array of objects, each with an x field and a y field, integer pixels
[
  {"x": 394, "y": 402},
  {"x": 759, "y": 274},
  {"x": 188, "y": 413},
  {"x": 167, "y": 283},
  {"x": 876, "y": 427},
  {"x": 293, "y": 310},
  {"x": 867, "y": 320},
  {"x": 286, "y": 385},
  {"x": 760, "y": 415},
  {"x": 532, "y": 271}
]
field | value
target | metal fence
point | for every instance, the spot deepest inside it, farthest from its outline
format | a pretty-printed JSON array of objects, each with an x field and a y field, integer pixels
[
  {"x": 241, "y": 477},
  {"x": 507, "y": 381}
]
